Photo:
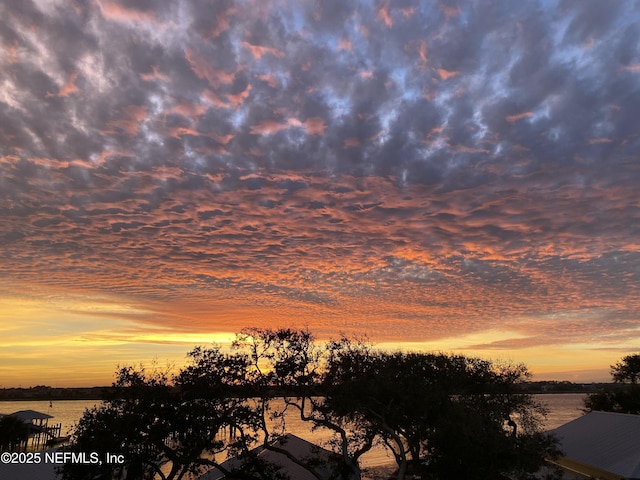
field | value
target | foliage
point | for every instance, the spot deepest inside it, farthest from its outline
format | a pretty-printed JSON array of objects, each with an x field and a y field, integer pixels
[
  {"x": 289, "y": 363},
  {"x": 626, "y": 397},
  {"x": 422, "y": 407},
  {"x": 167, "y": 427},
  {"x": 13, "y": 432},
  {"x": 441, "y": 416},
  {"x": 627, "y": 370},
  {"x": 456, "y": 413}
]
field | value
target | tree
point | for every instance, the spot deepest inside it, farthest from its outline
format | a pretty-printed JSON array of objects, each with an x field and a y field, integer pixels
[
  {"x": 627, "y": 370},
  {"x": 13, "y": 432},
  {"x": 166, "y": 427},
  {"x": 625, "y": 396},
  {"x": 289, "y": 363},
  {"x": 422, "y": 407},
  {"x": 442, "y": 416},
  {"x": 459, "y": 414}
]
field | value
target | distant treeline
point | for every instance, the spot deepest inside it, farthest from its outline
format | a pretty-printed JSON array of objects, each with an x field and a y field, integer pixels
[{"x": 43, "y": 392}]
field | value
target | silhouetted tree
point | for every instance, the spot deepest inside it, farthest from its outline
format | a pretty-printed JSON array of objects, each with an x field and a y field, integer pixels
[
  {"x": 167, "y": 427},
  {"x": 459, "y": 414},
  {"x": 13, "y": 432},
  {"x": 291, "y": 364},
  {"x": 625, "y": 397},
  {"x": 446, "y": 416},
  {"x": 415, "y": 404},
  {"x": 627, "y": 370}
]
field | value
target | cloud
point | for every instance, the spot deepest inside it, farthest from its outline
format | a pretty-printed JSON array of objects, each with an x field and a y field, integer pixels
[{"x": 407, "y": 170}]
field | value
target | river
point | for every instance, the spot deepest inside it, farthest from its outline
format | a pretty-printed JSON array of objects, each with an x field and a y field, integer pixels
[{"x": 563, "y": 407}]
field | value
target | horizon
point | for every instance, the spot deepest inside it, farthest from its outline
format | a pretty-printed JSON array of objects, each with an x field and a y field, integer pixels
[{"x": 438, "y": 176}]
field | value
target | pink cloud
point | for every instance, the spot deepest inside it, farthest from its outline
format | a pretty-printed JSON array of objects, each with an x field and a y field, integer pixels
[
  {"x": 352, "y": 142},
  {"x": 446, "y": 74},
  {"x": 268, "y": 78},
  {"x": 315, "y": 125},
  {"x": 130, "y": 121},
  {"x": 408, "y": 12},
  {"x": 631, "y": 68},
  {"x": 189, "y": 109},
  {"x": 222, "y": 22},
  {"x": 223, "y": 139},
  {"x": 112, "y": 10},
  {"x": 203, "y": 69},
  {"x": 518, "y": 116},
  {"x": 67, "y": 89},
  {"x": 383, "y": 14},
  {"x": 237, "y": 99},
  {"x": 449, "y": 12},
  {"x": 154, "y": 75},
  {"x": 593, "y": 141},
  {"x": 268, "y": 127},
  {"x": 258, "y": 51},
  {"x": 214, "y": 99},
  {"x": 345, "y": 44}
]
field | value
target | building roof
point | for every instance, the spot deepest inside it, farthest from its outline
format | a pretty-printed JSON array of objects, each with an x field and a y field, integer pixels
[
  {"x": 30, "y": 415},
  {"x": 610, "y": 442},
  {"x": 297, "y": 447}
]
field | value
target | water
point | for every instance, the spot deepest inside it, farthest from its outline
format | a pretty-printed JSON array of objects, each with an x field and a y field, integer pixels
[
  {"x": 563, "y": 407},
  {"x": 65, "y": 412}
]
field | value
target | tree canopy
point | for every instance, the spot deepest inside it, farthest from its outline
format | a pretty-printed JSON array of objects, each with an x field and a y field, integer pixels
[
  {"x": 442, "y": 416},
  {"x": 625, "y": 396},
  {"x": 13, "y": 432}
]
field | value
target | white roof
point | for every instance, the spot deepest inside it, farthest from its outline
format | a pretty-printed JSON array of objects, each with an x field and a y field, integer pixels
[
  {"x": 605, "y": 440},
  {"x": 296, "y": 446},
  {"x": 29, "y": 415}
]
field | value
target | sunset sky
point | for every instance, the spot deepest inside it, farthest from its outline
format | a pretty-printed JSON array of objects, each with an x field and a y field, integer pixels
[{"x": 452, "y": 176}]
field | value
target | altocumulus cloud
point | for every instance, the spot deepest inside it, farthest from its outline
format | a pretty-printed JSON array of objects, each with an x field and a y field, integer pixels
[{"x": 415, "y": 169}]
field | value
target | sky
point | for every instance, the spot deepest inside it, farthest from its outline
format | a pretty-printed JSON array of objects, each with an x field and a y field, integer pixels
[{"x": 439, "y": 176}]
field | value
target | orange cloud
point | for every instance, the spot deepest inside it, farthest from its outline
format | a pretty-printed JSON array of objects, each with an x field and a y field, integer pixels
[
  {"x": 258, "y": 51},
  {"x": 188, "y": 109},
  {"x": 223, "y": 23},
  {"x": 383, "y": 14},
  {"x": 133, "y": 115},
  {"x": 422, "y": 52},
  {"x": 267, "y": 127},
  {"x": 268, "y": 78},
  {"x": 593, "y": 141},
  {"x": 214, "y": 99},
  {"x": 11, "y": 52},
  {"x": 203, "y": 69},
  {"x": 352, "y": 142},
  {"x": 345, "y": 44},
  {"x": 464, "y": 149},
  {"x": 238, "y": 98},
  {"x": 67, "y": 89},
  {"x": 223, "y": 139},
  {"x": 112, "y": 10},
  {"x": 631, "y": 68},
  {"x": 408, "y": 12},
  {"x": 449, "y": 12},
  {"x": 315, "y": 125},
  {"x": 446, "y": 74},
  {"x": 154, "y": 75},
  {"x": 518, "y": 116}
]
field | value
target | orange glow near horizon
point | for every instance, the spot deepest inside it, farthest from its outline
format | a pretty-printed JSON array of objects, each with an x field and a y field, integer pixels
[
  {"x": 81, "y": 341},
  {"x": 171, "y": 174}
]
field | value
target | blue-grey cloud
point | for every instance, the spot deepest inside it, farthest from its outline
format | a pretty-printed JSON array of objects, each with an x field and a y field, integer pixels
[{"x": 453, "y": 167}]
